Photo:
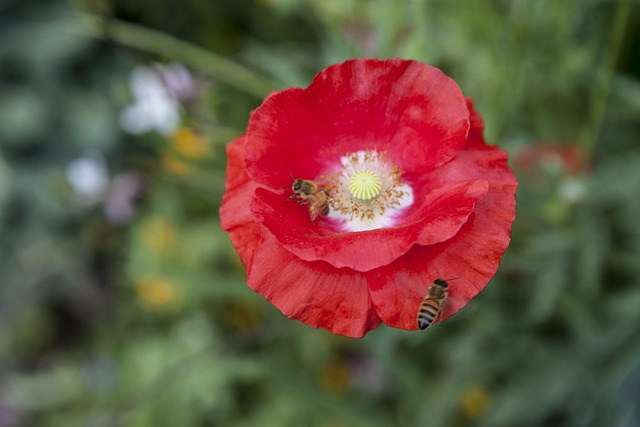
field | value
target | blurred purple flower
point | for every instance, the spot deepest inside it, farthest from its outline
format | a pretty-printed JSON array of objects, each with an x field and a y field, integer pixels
[
  {"x": 178, "y": 81},
  {"x": 368, "y": 375},
  {"x": 123, "y": 192},
  {"x": 10, "y": 415}
]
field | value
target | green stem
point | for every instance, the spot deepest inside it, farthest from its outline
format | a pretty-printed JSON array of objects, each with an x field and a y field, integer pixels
[
  {"x": 149, "y": 40},
  {"x": 604, "y": 79}
]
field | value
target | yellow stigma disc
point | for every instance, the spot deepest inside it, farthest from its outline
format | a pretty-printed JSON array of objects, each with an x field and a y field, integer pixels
[{"x": 365, "y": 186}]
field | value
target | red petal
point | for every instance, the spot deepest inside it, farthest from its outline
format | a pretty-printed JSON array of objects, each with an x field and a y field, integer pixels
[
  {"x": 313, "y": 292},
  {"x": 409, "y": 109},
  {"x": 236, "y": 173},
  {"x": 235, "y": 202},
  {"x": 472, "y": 256},
  {"x": 443, "y": 212},
  {"x": 235, "y": 214},
  {"x": 475, "y": 140}
]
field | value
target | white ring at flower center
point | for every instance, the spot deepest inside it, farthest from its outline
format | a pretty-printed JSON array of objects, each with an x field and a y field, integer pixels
[{"x": 367, "y": 192}]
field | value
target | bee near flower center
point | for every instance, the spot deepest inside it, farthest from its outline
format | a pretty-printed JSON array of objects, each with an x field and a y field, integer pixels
[{"x": 367, "y": 192}]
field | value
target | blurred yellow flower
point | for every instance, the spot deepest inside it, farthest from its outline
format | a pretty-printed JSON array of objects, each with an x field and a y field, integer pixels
[
  {"x": 189, "y": 144},
  {"x": 175, "y": 165},
  {"x": 156, "y": 292},
  {"x": 474, "y": 401},
  {"x": 159, "y": 234},
  {"x": 184, "y": 144},
  {"x": 242, "y": 316},
  {"x": 335, "y": 376}
]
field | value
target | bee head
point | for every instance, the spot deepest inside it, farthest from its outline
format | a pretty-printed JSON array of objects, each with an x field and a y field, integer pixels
[
  {"x": 297, "y": 185},
  {"x": 442, "y": 283}
]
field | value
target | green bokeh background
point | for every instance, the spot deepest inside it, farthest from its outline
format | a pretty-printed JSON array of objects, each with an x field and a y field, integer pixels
[{"x": 149, "y": 322}]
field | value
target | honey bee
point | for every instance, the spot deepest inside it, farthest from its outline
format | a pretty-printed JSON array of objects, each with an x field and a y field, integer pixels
[
  {"x": 309, "y": 193},
  {"x": 433, "y": 302}
]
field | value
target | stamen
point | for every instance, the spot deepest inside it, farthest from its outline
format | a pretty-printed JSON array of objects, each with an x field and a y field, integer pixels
[
  {"x": 367, "y": 192},
  {"x": 365, "y": 186}
]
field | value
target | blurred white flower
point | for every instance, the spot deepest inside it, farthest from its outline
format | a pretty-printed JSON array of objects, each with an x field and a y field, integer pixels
[
  {"x": 88, "y": 177},
  {"x": 154, "y": 106},
  {"x": 572, "y": 190}
]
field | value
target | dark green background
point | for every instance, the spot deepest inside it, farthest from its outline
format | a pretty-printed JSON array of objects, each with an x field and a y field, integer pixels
[{"x": 554, "y": 339}]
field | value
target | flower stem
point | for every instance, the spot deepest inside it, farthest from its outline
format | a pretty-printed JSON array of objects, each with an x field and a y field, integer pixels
[
  {"x": 150, "y": 40},
  {"x": 604, "y": 79}
]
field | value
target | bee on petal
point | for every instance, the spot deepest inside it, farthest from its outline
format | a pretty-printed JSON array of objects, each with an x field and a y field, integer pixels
[
  {"x": 433, "y": 303},
  {"x": 309, "y": 193}
]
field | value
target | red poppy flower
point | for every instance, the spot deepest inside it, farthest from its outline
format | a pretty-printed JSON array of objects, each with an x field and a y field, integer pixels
[{"x": 414, "y": 194}]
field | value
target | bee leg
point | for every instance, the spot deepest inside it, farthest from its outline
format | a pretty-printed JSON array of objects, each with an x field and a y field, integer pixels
[{"x": 291, "y": 197}]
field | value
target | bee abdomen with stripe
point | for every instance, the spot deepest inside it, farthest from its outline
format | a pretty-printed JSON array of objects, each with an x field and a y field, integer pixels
[{"x": 432, "y": 304}]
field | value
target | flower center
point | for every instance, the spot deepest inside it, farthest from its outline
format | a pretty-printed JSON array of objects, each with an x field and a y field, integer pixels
[
  {"x": 365, "y": 186},
  {"x": 367, "y": 192}
]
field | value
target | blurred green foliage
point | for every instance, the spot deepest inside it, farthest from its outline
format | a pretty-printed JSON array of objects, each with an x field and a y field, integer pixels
[{"x": 124, "y": 304}]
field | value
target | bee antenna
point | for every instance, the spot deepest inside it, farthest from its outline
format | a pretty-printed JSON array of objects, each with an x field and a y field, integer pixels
[
  {"x": 288, "y": 185},
  {"x": 448, "y": 280}
]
